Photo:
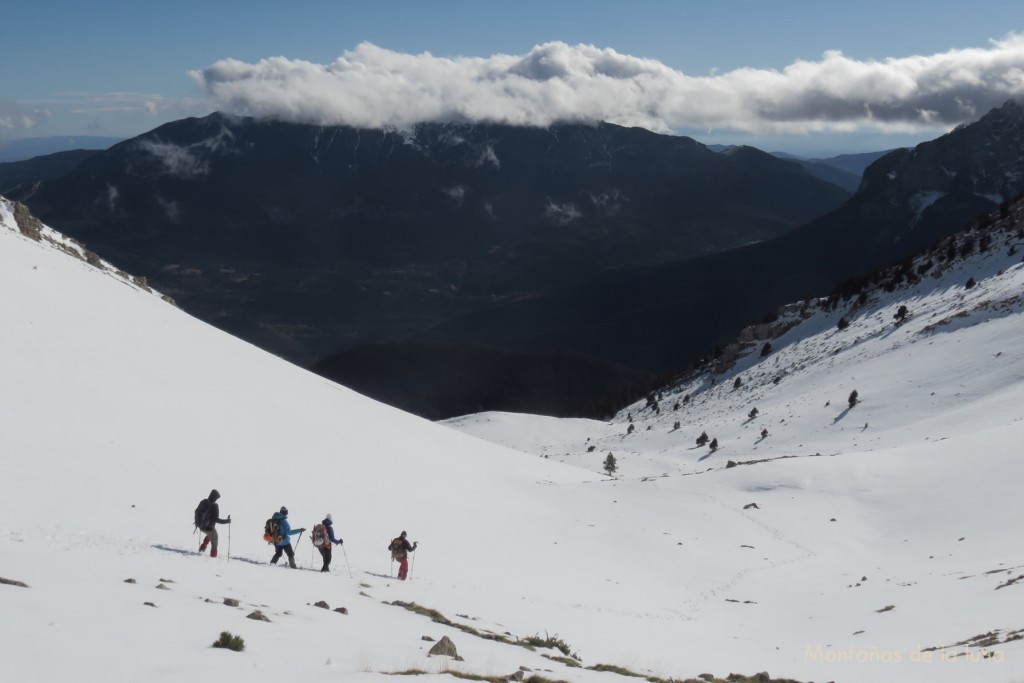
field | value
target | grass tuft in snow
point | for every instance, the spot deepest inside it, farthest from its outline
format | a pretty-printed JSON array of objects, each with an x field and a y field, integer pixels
[
  {"x": 229, "y": 641},
  {"x": 439, "y": 618},
  {"x": 553, "y": 642}
]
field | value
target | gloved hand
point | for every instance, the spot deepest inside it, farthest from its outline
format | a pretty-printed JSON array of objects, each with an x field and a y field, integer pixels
[
  {"x": 340, "y": 541},
  {"x": 229, "y": 519},
  {"x": 415, "y": 545},
  {"x": 302, "y": 529}
]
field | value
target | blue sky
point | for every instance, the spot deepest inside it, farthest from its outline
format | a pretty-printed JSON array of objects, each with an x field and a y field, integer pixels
[{"x": 720, "y": 71}]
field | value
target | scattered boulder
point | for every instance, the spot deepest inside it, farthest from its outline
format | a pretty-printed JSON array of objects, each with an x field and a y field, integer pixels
[
  {"x": 445, "y": 648},
  {"x": 166, "y": 580},
  {"x": 129, "y": 581},
  {"x": 427, "y": 638},
  {"x": 257, "y": 616},
  {"x": 730, "y": 464},
  {"x": 321, "y": 604},
  {"x": 231, "y": 602},
  {"x": 748, "y": 506},
  {"x": 149, "y": 604},
  {"x": 887, "y": 608},
  {"x": 162, "y": 587},
  {"x": 341, "y": 610}
]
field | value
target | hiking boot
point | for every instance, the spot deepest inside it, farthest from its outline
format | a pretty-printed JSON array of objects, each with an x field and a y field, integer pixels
[
  {"x": 213, "y": 553},
  {"x": 202, "y": 546},
  {"x": 292, "y": 565}
]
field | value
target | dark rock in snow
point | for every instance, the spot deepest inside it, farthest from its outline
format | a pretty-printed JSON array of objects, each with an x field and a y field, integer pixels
[
  {"x": 445, "y": 648},
  {"x": 257, "y": 616}
]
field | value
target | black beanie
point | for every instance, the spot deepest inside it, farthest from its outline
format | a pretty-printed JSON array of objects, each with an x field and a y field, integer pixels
[
  {"x": 214, "y": 494},
  {"x": 284, "y": 510}
]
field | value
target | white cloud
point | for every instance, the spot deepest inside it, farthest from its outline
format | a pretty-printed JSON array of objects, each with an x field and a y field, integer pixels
[
  {"x": 177, "y": 160},
  {"x": 563, "y": 213},
  {"x": 16, "y": 116},
  {"x": 372, "y": 87}
]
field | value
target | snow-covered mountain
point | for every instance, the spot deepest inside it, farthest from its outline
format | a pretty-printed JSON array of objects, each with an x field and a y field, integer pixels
[{"x": 879, "y": 531}]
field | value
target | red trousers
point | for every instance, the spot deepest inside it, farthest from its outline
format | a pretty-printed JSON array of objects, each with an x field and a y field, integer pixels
[{"x": 403, "y": 568}]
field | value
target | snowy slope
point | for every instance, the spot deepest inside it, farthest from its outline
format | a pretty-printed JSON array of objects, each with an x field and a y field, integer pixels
[
  {"x": 916, "y": 487},
  {"x": 120, "y": 412}
]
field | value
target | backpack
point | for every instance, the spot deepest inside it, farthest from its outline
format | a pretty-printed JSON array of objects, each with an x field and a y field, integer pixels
[
  {"x": 320, "y": 537},
  {"x": 272, "y": 532},
  {"x": 202, "y": 515},
  {"x": 397, "y": 549}
]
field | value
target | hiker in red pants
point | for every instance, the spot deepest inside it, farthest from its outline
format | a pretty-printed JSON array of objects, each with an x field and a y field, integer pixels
[
  {"x": 400, "y": 549},
  {"x": 207, "y": 517}
]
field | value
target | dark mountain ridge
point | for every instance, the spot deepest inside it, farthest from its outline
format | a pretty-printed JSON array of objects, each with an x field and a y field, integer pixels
[
  {"x": 36, "y": 169},
  {"x": 309, "y": 239},
  {"x": 661, "y": 318}
]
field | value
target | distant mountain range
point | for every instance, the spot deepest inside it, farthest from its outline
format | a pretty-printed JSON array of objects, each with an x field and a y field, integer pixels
[
  {"x": 27, "y": 148},
  {"x": 306, "y": 240},
  {"x": 495, "y": 248},
  {"x": 844, "y": 170},
  {"x": 36, "y": 169},
  {"x": 659, "y": 318}
]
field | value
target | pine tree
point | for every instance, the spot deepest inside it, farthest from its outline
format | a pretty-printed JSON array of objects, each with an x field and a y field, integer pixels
[
  {"x": 610, "y": 465},
  {"x": 753, "y": 413},
  {"x": 853, "y": 398},
  {"x": 714, "y": 444},
  {"x": 702, "y": 439},
  {"x": 764, "y": 433}
]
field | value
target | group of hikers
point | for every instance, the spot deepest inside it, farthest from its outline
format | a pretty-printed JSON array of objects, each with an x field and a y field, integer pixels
[{"x": 278, "y": 531}]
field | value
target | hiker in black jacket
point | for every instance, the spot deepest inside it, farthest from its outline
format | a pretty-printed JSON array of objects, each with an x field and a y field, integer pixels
[
  {"x": 207, "y": 519},
  {"x": 400, "y": 549}
]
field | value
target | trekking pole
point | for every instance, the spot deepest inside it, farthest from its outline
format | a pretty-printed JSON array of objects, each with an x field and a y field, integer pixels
[
  {"x": 346, "y": 561},
  {"x": 412, "y": 565},
  {"x": 229, "y": 542}
]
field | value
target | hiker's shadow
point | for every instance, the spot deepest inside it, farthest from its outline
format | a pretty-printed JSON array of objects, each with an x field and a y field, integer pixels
[
  {"x": 183, "y": 551},
  {"x": 843, "y": 414},
  {"x": 380, "y": 576}
]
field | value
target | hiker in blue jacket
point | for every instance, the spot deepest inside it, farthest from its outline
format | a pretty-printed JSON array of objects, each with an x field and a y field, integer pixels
[{"x": 285, "y": 546}]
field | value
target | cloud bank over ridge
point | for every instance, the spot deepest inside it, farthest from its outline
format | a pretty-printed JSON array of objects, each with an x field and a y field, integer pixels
[{"x": 371, "y": 87}]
